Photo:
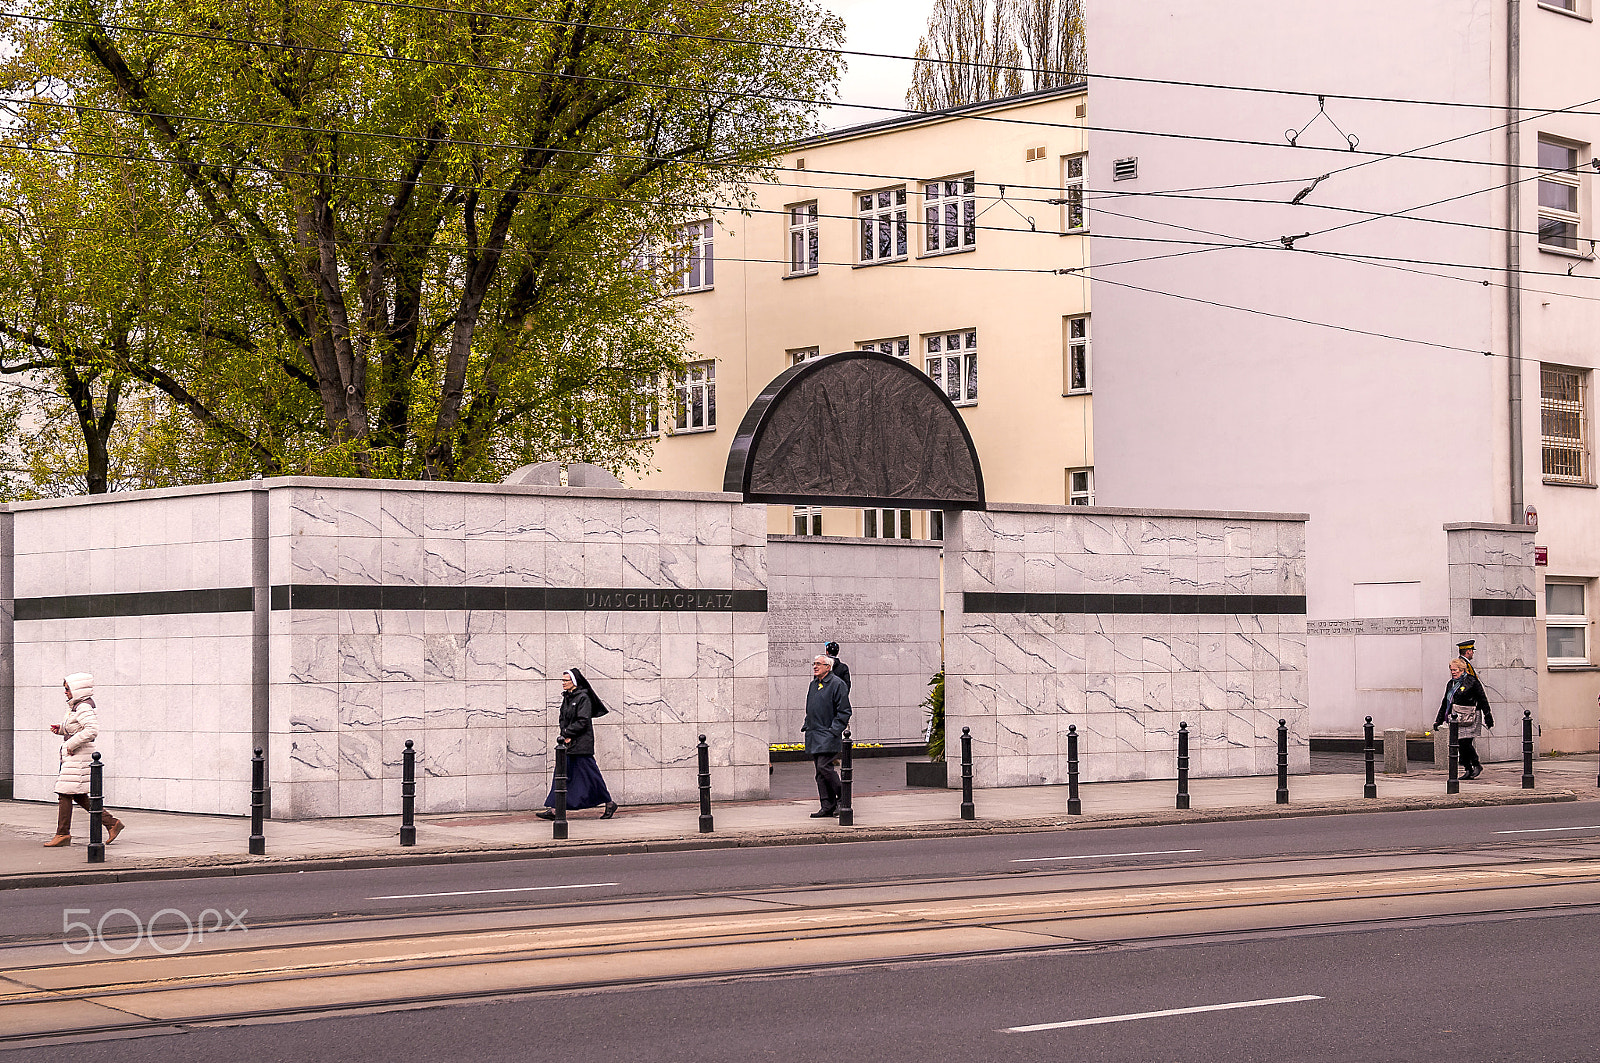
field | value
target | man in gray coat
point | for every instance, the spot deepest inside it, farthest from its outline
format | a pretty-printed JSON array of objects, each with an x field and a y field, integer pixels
[{"x": 827, "y": 715}]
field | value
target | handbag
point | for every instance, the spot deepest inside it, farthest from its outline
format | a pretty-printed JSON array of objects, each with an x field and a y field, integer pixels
[{"x": 1464, "y": 716}]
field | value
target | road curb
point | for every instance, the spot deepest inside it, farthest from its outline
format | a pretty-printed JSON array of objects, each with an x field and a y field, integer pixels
[{"x": 227, "y": 866}]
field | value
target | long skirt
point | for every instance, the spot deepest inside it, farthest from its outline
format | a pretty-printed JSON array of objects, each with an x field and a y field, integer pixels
[{"x": 586, "y": 787}]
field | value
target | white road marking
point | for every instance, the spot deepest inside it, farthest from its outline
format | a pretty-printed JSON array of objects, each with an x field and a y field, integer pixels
[
  {"x": 1160, "y": 1014},
  {"x": 470, "y": 893},
  {"x": 1105, "y": 856},
  {"x": 1543, "y": 830}
]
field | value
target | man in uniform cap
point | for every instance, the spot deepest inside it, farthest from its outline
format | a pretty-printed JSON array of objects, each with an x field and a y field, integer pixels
[{"x": 1464, "y": 650}]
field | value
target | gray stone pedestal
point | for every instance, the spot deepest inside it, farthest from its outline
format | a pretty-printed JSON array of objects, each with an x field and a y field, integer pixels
[{"x": 1394, "y": 751}]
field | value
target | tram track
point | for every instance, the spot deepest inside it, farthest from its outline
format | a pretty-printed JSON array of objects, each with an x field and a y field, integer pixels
[{"x": 319, "y": 968}]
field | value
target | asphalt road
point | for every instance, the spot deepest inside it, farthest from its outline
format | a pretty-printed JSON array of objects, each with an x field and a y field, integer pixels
[{"x": 1462, "y": 934}]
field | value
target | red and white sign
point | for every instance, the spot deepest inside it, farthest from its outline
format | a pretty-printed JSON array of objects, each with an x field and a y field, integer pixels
[{"x": 1541, "y": 555}]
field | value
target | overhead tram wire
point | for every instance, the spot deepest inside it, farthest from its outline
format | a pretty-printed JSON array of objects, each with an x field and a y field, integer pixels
[
  {"x": 809, "y": 101},
  {"x": 1082, "y": 75}
]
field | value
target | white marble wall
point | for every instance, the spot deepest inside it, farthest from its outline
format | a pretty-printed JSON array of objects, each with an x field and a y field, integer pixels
[
  {"x": 172, "y": 690},
  {"x": 477, "y": 690},
  {"x": 879, "y": 599},
  {"x": 1494, "y": 562},
  {"x": 1125, "y": 679}
]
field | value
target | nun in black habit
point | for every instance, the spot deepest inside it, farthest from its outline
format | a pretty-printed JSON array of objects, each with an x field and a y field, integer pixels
[{"x": 586, "y": 787}]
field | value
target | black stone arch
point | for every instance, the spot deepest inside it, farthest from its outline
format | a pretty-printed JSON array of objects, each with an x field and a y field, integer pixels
[{"x": 858, "y": 428}]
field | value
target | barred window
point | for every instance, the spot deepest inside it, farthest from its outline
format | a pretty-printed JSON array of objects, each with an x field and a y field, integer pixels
[
  {"x": 883, "y": 225},
  {"x": 1564, "y": 424},
  {"x": 950, "y": 214}
]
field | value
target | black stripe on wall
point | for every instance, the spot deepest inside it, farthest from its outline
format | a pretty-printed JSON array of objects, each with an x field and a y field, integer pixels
[
  {"x": 1522, "y": 607},
  {"x": 1175, "y": 604},
  {"x": 519, "y": 599},
  {"x": 136, "y": 603}
]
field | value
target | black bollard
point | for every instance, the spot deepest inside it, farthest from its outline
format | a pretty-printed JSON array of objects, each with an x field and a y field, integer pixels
[
  {"x": 1183, "y": 765},
  {"x": 1283, "y": 762},
  {"x": 704, "y": 753},
  {"x": 847, "y": 815},
  {"x": 1527, "y": 749},
  {"x": 408, "y": 795},
  {"x": 1371, "y": 787},
  {"x": 1074, "y": 806},
  {"x": 258, "y": 803},
  {"x": 1453, "y": 786},
  {"x": 558, "y": 829},
  {"x": 97, "y": 848},
  {"x": 967, "y": 811}
]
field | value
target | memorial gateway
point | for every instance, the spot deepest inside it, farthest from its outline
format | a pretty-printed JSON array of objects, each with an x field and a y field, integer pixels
[{"x": 328, "y": 621}]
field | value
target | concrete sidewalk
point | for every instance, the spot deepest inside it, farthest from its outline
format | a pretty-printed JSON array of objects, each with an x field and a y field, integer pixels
[{"x": 174, "y": 845}]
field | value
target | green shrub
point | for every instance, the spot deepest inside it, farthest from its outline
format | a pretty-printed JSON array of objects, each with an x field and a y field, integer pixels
[{"x": 933, "y": 705}]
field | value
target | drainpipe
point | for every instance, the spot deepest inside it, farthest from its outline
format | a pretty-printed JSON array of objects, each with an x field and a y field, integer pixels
[{"x": 1514, "y": 251}]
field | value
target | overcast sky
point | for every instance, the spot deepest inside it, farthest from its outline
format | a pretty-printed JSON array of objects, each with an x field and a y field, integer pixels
[{"x": 891, "y": 26}]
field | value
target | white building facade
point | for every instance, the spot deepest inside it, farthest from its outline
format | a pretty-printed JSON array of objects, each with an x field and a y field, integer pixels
[{"x": 1379, "y": 308}]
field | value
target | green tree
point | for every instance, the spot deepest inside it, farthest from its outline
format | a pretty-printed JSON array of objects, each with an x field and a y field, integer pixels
[
  {"x": 976, "y": 50},
  {"x": 408, "y": 240}
]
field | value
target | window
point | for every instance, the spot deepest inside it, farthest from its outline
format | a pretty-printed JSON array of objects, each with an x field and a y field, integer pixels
[
  {"x": 1564, "y": 424},
  {"x": 886, "y": 523},
  {"x": 1080, "y": 487},
  {"x": 1558, "y": 195},
  {"x": 952, "y": 361},
  {"x": 1566, "y": 622},
  {"x": 692, "y": 260},
  {"x": 936, "y": 525},
  {"x": 1076, "y": 334},
  {"x": 950, "y": 214},
  {"x": 1073, "y": 217},
  {"x": 641, "y": 410},
  {"x": 697, "y": 398},
  {"x": 900, "y": 346},
  {"x": 808, "y": 520},
  {"x": 883, "y": 225},
  {"x": 804, "y": 354},
  {"x": 803, "y": 239}
]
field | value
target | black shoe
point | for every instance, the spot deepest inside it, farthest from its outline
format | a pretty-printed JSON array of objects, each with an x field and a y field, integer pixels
[
  {"x": 545, "y": 813},
  {"x": 611, "y": 810},
  {"x": 824, "y": 813}
]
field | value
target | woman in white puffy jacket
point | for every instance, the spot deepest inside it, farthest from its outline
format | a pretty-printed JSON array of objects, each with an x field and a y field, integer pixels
[{"x": 78, "y": 730}]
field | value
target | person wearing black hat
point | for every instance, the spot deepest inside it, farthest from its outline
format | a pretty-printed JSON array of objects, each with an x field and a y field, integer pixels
[
  {"x": 586, "y": 787},
  {"x": 1465, "y": 650},
  {"x": 839, "y": 669},
  {"x": 1466, "y": 704}
]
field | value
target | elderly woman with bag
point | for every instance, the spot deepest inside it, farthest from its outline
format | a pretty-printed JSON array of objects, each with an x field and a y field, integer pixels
[
  {"x": 586, "y": 787},
  {"x": 78, "y": 730},
  {"x": 1467, "y": 706}
]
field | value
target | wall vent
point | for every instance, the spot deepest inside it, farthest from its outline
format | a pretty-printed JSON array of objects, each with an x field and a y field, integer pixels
[
  {"x": 799, "y": 164},
  {"x": 1083, "y": 109},
  {"x": 1125, "y": 169},
  {"x": 1035, "y": 154}
]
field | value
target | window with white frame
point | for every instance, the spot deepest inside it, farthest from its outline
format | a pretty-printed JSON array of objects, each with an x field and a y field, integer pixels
[
  {"x": 899, "y": 346},
  {"x": 950, "y": 215},
  {"x": 696, "y": 399},
  {"x": 803, "y": 239},
  {"x": 693, "y": 261},
  {"x": 1564, "y": 424},
  {"x": 952, "y": 361},
  {"x": 1074, "y": 168},
  {"x": 803, "y": 354},
  {"x": 1080, "y": 487},
  {"x": 886, "y": 523},
  {"x": 883, "y": 225},
  {"x": 1558, "y": 194},
  {"x": 641, "y": 409},
  {"x": 808, "y": 520},
  {"x": 1075, "y": 334},
  {"x": 1566, "y": 621}
]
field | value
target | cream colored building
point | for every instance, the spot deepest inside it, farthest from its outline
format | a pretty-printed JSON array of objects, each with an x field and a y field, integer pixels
[{"x": 840, "y": 255}]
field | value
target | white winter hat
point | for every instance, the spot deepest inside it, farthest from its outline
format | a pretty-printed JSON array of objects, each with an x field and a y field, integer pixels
[{"x": 80, "y": 685}]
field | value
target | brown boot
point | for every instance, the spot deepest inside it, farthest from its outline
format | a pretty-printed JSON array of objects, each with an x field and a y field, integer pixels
[
  {"x": 58, "y": 841},
  {"x": 113, "y": 829}
]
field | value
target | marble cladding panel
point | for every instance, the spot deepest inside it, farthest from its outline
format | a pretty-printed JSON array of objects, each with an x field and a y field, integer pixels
[
  {"x": 1497, "y": 564},
  {"x": 1125, "y": 680}
]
